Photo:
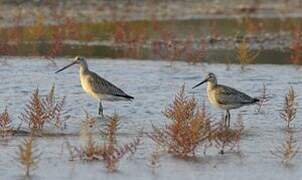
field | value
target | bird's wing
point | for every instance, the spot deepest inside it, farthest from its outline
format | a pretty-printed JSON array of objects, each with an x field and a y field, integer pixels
[
  {"x": 228, "y": 95},
  {"x": 101, "y": 85}
]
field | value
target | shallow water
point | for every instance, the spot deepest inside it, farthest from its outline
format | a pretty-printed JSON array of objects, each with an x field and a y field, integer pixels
[{"x": 154, "y": 84}]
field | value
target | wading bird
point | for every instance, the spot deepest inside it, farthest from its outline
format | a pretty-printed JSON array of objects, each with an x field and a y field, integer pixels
[
  {"x": 225, "y": 97},
  {"x": 96, "y": 86}
]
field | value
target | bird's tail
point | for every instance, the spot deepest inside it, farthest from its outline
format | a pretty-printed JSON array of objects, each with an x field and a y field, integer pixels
[
  {"x": 252, "y": 101},
  {"x": 255, "y": 100},
  {"x": 126, "y": 97},
  {"x": 130, "y": 98}
]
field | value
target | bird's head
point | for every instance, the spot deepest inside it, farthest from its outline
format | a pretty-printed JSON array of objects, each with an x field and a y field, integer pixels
[
  {"x": 77, "y": 60},
  {"x": 209, "y": 78}
]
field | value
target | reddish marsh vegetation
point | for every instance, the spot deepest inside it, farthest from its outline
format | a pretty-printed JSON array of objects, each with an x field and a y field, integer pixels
[
  {"x": 289, "y": 110},
  {"x": 296, "y": 47},
  {"x": 129, "y": 39},
  {"x": 245, "y": 55},
  {"x": 42, "y": 110},
  {"x": 287, "y": 150},
  {"x": 189, "y": 127},
  {"x": 6, "y": 128},
  {"x": 104, "y": 147},
  {"x": 225, "y": 137},
  {"x": 172, "y": 48},
  {"x": 28, "y": 155},
  {"x": 195, "y": 52},
  {"x": 41, "y": 38},
  {"x": 115, "y": 32}
]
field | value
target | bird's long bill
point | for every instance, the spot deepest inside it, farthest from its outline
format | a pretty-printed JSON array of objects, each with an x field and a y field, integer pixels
[
  {"x": 65, "y": 67},
  {"x": 200, "y": 83}
]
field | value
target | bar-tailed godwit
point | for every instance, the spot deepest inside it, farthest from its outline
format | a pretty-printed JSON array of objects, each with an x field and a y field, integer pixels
[
  {"x": 225, "y": 97},
  {"x": 96, "y": 86}
]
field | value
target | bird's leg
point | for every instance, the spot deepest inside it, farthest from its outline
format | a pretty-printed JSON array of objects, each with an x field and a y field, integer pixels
[
  {"x": 229, "y": 118},
  {"x": 226, "y": 118},
  {"x": 101, "y": 109}
]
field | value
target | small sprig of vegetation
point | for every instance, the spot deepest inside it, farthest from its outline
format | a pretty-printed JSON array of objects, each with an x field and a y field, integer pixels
[
  {"x": 245, "y": 55},
  {"x": 54, "y": 107},
  {"x": 41, "y": 110},
  {"x": 289, "y": 110},
  {"x": 106, "y": 149},
  {"x": 189, "y": 127},
  {"x": 34, "y": 114},
  {"x": 263, "y": 99},
  {"x": 154, "y": 160},
  {"x": 5, "y": 124},
  {"x": 286, "y": 151},
  {"x": 28, "y": 155},
  {"x": 225, "y": 137},
  {"x": 110, "y": 131}
]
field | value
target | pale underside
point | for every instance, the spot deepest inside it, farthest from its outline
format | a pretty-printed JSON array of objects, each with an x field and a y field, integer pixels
[
  {"x": 101, "y": 89},
  {"x": 227, "y": 98}
]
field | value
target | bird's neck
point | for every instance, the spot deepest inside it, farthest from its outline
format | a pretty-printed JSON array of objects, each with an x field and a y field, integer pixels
[
  {"x": 211, "y": 85},
  {"x": 83, "y": 68}
]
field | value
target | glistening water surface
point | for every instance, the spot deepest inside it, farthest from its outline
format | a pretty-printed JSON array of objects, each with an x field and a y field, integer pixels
[{"x": 154, "y": 84}]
